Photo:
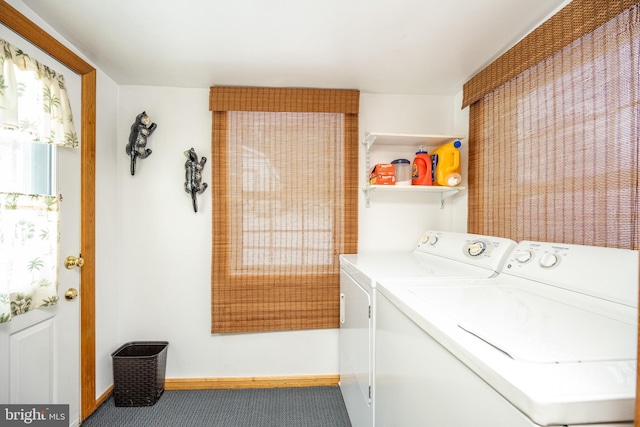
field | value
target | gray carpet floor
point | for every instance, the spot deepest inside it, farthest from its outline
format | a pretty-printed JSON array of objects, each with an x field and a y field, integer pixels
[{"x": 278, "y": 407}]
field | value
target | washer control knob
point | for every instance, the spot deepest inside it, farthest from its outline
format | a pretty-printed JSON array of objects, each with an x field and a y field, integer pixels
[
  {"x": 523, "y": 256},
  {"x": 425, "y": 238},
  {"x": 548, "y": 260},
  {"x": 432, "y": 240},
  {"x": 477, "y": 248}
]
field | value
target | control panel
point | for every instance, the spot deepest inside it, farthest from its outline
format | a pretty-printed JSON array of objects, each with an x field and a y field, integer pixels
[
  {"x": 548, "y": 259},
  {"x": 607, "y": 273},
  {"x": 484, "y": 251}
]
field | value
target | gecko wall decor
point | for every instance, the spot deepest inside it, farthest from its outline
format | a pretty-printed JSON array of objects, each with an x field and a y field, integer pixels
[
  {"x": 141, "y": 129},
  {"x": 193, "y": 176}
]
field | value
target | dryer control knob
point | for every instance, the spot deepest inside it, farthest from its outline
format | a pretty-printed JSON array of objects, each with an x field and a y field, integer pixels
[
  {"x": 432, "y": 240},
  {"x": 424, "y": 238},
  {"x": 548, "y": 260},
  {"x": 476, "y": 248},
  {"x": 523, "y": 256}
]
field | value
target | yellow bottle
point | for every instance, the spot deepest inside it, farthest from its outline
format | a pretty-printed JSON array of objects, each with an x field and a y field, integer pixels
[{"x": 447, "y": 164}]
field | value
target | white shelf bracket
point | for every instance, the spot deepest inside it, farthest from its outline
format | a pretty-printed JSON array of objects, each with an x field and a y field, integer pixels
[
  {"x": 446, "y": 194},
  {"x": 369, "y": 140},
  {"x": 367, "y": 197}
]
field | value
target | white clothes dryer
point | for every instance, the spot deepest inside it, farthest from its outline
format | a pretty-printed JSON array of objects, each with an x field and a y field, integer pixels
[
  {"x": 438, "y": 255},
  {"x": 551, "y": 340}
]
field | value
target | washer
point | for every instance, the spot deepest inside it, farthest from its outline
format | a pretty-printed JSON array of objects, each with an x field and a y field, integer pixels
[
  {"x": 438, "y": 255},
  {"x": 552, "y": 340}
]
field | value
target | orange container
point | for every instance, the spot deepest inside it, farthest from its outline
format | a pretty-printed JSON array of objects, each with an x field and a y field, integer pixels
[
  {"x": 421, "y": 171},
  {"x": 382, "y": 174}
]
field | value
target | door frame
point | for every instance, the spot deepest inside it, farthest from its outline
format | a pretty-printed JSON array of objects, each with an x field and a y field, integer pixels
[{"x": 20, "y": 24}]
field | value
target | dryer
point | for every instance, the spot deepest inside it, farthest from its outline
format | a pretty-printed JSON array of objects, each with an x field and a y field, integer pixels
[
  {"x": 437, "y": 255},
  {"x": 551, "y": 340}
]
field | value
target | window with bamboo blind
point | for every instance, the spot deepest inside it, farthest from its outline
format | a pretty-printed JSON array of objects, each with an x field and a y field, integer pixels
[
  {"x": 554, "y": 131},
  {"x": 284, "y": 178}
]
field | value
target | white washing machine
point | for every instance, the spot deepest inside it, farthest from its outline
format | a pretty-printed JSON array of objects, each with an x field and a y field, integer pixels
[
  {"x": 438, "y": 255},
  {"x": 552, "y": 340}
]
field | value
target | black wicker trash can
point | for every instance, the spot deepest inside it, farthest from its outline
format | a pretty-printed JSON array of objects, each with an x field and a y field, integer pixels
[{"x": 139, "y": 372}]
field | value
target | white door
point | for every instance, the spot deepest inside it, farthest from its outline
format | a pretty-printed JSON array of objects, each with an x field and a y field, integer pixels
[
  {"x": 40, "y": 349},
  {"x": 356, "y": 335}
]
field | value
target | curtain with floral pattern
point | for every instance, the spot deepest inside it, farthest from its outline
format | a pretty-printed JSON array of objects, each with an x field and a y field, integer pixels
[
  {"x": 34, "y": 100},
  {"x": 29, "y": 239}
]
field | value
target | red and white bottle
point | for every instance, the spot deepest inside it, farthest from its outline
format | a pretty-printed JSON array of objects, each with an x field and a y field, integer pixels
[{"x": 421, "y": 171}]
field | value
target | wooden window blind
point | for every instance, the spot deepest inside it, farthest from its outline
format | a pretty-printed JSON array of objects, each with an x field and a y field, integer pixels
[
  {"x": 284, "y": 178},
  {"x": 553, "y": 153}
]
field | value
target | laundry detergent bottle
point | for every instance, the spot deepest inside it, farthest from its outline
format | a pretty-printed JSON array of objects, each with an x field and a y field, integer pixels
[
  {"x": 421, "y": 171},
  {"x": 446, "y": 161}
]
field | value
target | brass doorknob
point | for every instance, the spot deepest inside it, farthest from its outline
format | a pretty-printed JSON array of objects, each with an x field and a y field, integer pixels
[
  {"x": 71, "y": 293},
  {"x": 72, "y": 262}
]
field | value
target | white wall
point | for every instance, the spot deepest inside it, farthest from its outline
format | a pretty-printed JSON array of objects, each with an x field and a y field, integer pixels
[
  {"x": 165, "y": 254},
  {"x": 395, "y": 221},
  {"x": 165, "y": 247},
  {"x": 107, "y": 231},
  {"x": 458, "y": 205}
]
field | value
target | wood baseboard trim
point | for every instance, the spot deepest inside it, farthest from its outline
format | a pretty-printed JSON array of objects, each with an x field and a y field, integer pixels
[
  {"x": 250, "y": 382},
  {"x": 100, "y": 400}
]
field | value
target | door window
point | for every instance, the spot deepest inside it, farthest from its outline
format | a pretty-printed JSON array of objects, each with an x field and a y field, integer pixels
[{"x": 26, "y": 168}]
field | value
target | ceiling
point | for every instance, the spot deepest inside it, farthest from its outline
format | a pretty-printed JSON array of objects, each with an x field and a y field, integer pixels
[{"x": 426, "y": 47}]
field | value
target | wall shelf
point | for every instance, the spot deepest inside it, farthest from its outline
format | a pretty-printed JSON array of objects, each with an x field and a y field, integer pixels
[
  {"x": 443, "y": 192},
  {"x": 429, "y": 141},
  {"x": 414, "y": 140}
]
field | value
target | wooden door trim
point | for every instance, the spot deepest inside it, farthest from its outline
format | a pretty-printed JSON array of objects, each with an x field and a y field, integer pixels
[{"x": 17, "y": 22}]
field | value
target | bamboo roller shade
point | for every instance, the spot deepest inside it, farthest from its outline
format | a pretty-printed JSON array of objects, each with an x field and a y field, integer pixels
[
  {"x": 554, "y": 152},
  {"x": 284, "y": 178}
]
